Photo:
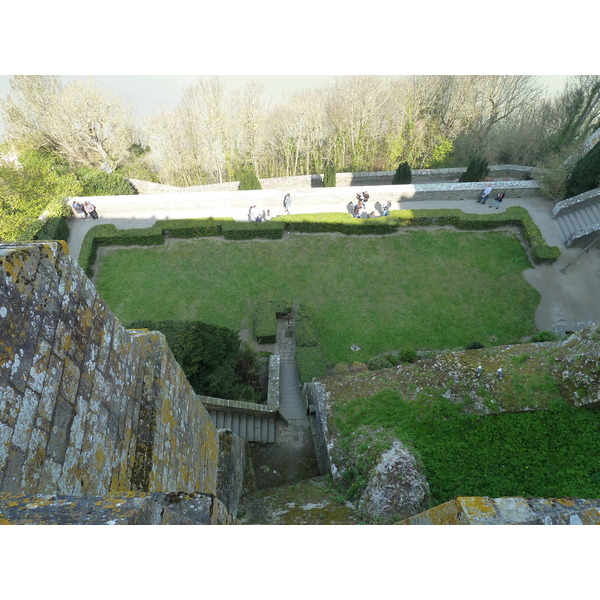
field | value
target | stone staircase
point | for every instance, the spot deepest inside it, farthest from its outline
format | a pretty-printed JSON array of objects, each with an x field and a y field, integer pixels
[
  {"x": 579, "y": 218},
  {"x": 252, "y": 428}
]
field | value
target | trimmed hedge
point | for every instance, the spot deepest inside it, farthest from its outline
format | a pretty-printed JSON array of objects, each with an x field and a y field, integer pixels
[
  {"x": 265, "y": 319},
  {"x": 338, "y": 223},
  {"x": 516, "y": 216},
  {"x": 237, "y": 230},
  {"x": 306, "y": 333}
]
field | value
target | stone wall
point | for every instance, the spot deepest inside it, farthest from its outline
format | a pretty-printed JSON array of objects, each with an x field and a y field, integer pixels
[
  {"x": 368, "y": 178},
  {"x": 510, "y": 511},
  {"x": 86, "y": 406}
]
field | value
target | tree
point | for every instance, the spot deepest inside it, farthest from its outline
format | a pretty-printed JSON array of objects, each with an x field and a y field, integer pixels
[
  {"x": 403, "y": 174},
  {"x": 26, "y": 189},
  {"x": 329, "y": 178},
  {"x": 585, "y": 175},
  {"x": 26, "y": 109},
  {"x": 477, "y": 170},
  {"x": 248, "y": 178}
]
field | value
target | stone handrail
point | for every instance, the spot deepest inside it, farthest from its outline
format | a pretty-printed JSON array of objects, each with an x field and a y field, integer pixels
[
  {"x": 251, "y": 408},
  {"x": 575, "y": 202}
]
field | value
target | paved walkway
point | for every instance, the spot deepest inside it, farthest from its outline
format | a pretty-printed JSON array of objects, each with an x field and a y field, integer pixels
[{"x": 568, "y": 298}]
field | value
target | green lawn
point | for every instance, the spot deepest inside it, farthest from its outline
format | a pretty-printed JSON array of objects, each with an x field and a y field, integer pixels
[
  {"x": 547, "y": 453},
  {"x": 420, "y": 289}
]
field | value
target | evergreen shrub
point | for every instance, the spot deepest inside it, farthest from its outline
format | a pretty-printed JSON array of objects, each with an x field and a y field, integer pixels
[
  {"x": 248, "y": 178},
  {"x": 329, "y": 175},
  {"x": 585, "y": 175},
  {"x": 403, "y": 174},
  {"x": 477, "y": 170},
  {"x": 265, "y": 319}
]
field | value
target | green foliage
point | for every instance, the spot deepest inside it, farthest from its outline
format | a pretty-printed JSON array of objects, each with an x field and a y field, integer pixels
[
  {"x": 26, "y": 190},
  {"x": 305, "y": 330},
  {"x": 585, "y": 175},
  {"x": 99, "y": 183},
  {"x": 219, "y": 282},
  {"x": 208, "y": 355},
  {"x": 378, "y": 362},
  {"x": 248, "y": 178},
  {"x": 240, "y": 230},
  {"x": 329, "y": 175},
  {"x": 403, "y": 174},
  {"x": 338, "y": 222},
  {"x": 544, "y": 336},
  {"x": 408, "y": 355},
  {"x": 474, "y": 346},
  {"x": 546, "y": 453},
  {"x": 477, "y": 170}
]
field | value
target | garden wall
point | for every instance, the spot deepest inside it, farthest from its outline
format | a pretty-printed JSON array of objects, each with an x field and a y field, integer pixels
[{"x": 497, "y": 172}]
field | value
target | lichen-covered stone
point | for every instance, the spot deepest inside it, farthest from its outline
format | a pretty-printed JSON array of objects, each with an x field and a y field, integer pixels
[{"x": 397, "y": 487}]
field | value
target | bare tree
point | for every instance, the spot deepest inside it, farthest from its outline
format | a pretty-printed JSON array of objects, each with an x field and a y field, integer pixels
[{"x": 26, "y": 107}]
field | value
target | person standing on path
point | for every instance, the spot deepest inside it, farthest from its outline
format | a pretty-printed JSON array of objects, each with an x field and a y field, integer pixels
[
  {"x": 497, "y": 200},
  {"x": 287, "y": 201},
  {"x": 485, "y": 194},
  {"x": 90, "y": 209},
  {"x": 79, "y": 210}
]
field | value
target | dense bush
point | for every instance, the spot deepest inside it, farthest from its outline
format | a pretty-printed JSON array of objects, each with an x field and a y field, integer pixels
[
  {"x": 248, "y": 178},
  {"x": 477, "y": 170},
  {"x": 378, "y": 362},
  {"x": 99, "y": 183},
  {"x": 585, "y": 175},
  {"x": 329, "y": 173},
  {"x": 403, "y": 174},
  {"x": 208, "y": 355},
  {"x": 408, "y": 355},
  {"x": 305, "y": 330},
  {"x": 338, "y": 222},
  {"x": 240, "y": 230},
  {"x": 544, "y": 336}
]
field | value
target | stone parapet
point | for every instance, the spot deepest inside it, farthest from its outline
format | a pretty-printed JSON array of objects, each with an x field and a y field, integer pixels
[
  {"x": 510, "y": 511},
  {"x": 367, "y": 178},
  {"x": 86, "y": 406},
  {"x": 133, "y": 508}
]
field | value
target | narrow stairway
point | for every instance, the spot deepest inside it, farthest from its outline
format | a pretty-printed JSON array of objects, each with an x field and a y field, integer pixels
[{"x": 578, "y": 220}]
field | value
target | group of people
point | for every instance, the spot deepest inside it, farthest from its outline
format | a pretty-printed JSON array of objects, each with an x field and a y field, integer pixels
[
  {"x": 258, "y": 216},
  {"x": 84, "y": 210},
  {"x": 486, "y": 194},
  {"x": 359, "y": 209}
]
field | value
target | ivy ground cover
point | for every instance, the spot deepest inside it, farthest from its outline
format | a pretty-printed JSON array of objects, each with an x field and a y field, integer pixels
[{"x": 418, "y": 289}]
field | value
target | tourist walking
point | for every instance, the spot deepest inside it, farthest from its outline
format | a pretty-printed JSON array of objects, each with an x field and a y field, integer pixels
[
  {"x": 90, "y": 209},
  {"x": 251, "y": 216},
  {"x": 485, "y": 194},
  {"x": 386, "y": 209},
  {"x": 287, "y": 202},
  {"x": 497, "y": 200}
]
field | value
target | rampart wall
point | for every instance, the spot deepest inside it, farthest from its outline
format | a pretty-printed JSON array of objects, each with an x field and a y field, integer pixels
[
  {"x": 86, "y": 406},
  {"x": 368, "y": 178}
]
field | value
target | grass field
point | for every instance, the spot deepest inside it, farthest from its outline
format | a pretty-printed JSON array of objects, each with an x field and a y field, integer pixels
[{"x": 419, "y": 289}]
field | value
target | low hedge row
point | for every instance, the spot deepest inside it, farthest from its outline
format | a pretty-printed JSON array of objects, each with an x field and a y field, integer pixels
[
  {"x": 265, "y": 319},
  {"x": 516, "y": 216},
  {"x": 338, "y": 223},
  {"x": 246, "y": 231}
]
